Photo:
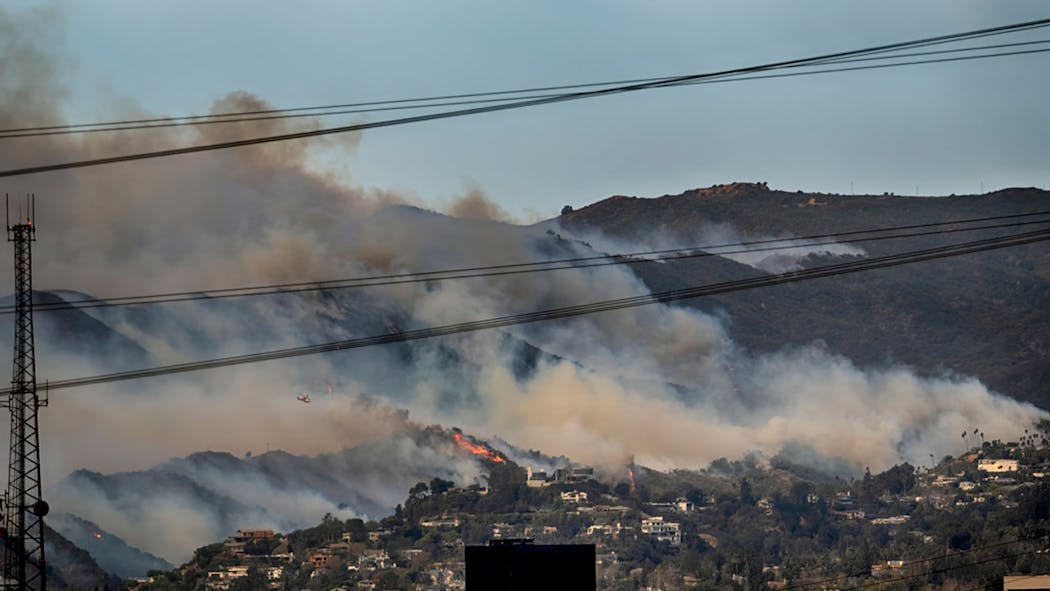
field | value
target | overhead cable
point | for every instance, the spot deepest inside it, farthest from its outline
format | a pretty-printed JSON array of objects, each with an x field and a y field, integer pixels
[
  {"x": 905, "y": 564},
  {"x": 564, "y": 312},
  {"x": 940, "y": 570},
  {"x": 671, "y": 81},
  {"x": 476, "y": 98},
  {"x": 576, "y": 263}
]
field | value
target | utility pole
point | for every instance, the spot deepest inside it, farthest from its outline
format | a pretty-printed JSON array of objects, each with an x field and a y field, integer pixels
[{"x": 24, "y": 566}]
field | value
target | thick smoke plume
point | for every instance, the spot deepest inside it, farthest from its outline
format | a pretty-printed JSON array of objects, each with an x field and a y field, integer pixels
[
  {"x": 662, "y": 384},
  {"x": 184, "y": 503}
]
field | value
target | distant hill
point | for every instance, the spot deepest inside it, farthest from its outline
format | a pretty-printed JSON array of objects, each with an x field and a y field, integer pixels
[
  {"x": 71, "y": 567},
  {"x": 110, "y": 552},
  {"x": 982, "y": 315},
  {"x": 75, "y": 332},
  {"x": 186, "y": 502},
  {"x": 978, "y": 315},
  {"x": 782, "y": 524}
]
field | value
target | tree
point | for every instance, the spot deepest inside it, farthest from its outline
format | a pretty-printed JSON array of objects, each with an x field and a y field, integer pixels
[
  {"x": 438, "y": 486},
  {"x": 695, "y": 496},
  {"x": 357, "y": 529},
  {"x": 897, "y": 480},
  {"x": 208, "y": 557},
  {"x": 747, "y": 497},
  {"x": 255, "y": 579},
  {"x": 1034, "y": 505},
  {"x": 960, "y": 541},
  {"x": 390, "y": 580},
  {"x": 262, "y": 546},
  {"x": 418, "y": 491}
]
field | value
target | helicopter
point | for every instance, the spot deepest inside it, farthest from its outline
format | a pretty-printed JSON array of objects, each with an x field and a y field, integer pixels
[{"x": 304, "y": 398}]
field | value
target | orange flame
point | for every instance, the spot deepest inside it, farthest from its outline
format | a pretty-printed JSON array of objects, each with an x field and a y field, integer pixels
[
  {"x": 97, "y": 535},
  {"x": 478, "y": 450},
  {"x": 630, "y": 476}
]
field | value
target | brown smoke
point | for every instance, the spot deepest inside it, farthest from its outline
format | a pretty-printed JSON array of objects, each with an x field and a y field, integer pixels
[
  {"x": 476, "y": 205},
  {"x": 269, "y": 214}
]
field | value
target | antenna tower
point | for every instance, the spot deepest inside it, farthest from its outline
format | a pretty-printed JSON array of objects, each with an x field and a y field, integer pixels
[{"x": 23, "y": 535}]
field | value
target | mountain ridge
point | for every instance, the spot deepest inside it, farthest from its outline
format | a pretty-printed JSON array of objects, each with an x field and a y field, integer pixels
[{"x": 869, "y": 317}]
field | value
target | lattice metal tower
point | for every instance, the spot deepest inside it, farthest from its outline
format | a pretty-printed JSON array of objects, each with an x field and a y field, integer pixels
[{"x": 24, "y": 537}]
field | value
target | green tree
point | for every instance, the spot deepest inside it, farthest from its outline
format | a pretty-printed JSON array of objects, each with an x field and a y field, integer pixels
[
  {"x": 253, "y": 581},
  {"x": 747, "y": 496},
  {"x": 262, "y": 546},
  {"x": 438, "y": 486},
  {"x": 208, "y": 557},
  {"x": 418, "y": 491}
]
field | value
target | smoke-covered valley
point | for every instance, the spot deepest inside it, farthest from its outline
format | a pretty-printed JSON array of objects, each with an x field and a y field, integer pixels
[{"x": 667, "y": 385}]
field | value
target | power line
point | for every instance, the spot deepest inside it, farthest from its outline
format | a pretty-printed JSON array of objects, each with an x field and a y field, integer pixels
[
  {"x": 943, "y": 51},
  {"x": 474, "y": 98},
  {"x": 908, "y": 563},
  {"x": 859, "y": 68},
  {"x": 671, "y": 81},
  {"x": 942, "y": 570},
  {"x": 566, "y": 312},
  {"x": 321, "y": 109},
  {"x": 634, "y": 258}
]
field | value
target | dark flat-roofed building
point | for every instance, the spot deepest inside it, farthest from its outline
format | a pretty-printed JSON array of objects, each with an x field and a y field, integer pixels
[{"x": 520, "y": 565}]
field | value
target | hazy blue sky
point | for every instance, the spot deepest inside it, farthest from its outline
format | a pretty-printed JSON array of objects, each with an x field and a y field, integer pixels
[{"x": 942, "y": 128}]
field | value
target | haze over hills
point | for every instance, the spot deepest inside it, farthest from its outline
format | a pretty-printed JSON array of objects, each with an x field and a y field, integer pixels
[
  {"x": 69, "y": 566},
  {"x": 208, "y": 495},
  {"x": 979, "y": 315},
  {"x": 670, "y": 385},
  {"x": 112, "y": 554},
  {"x": 793, "y": 368},
  {"x": 836, "y": 376}
]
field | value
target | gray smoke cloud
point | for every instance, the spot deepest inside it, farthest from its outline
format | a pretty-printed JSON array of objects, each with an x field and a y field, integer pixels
[
  {"x": 749, "y": 249},
  {"x": 662, "y": 384},
  {"x": 185, "y": 503}
]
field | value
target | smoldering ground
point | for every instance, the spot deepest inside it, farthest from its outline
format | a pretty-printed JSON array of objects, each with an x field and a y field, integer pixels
[{"x": 665, "y": 385}]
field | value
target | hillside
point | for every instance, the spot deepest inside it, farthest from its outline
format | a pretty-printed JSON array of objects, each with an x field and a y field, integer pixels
[
  {"x": 662, "y": 385},
  {"x": 748, "y": 524},
  {"x": 111, "y": 553},
  {"x": 75, "y": 332},
  {"x": 172, "y": 507},
  {"x": 980, "y": 315},
  {"x": 71, "y": 567}
]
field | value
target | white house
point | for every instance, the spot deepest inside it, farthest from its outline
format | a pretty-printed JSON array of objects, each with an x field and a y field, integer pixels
[
  {"x": 574, "y": 496},
  {"x": 992, "y": 466},
  {"x": 665, "y": 531}
]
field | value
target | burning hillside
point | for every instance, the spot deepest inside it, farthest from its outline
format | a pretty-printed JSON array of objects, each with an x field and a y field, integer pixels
[
  {"x": 676, "y": 386},
  {"x": 478, "y": 449}
]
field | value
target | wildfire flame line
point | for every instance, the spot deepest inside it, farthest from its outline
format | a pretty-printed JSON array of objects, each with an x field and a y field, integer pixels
[{"x": 477, "y": 449}]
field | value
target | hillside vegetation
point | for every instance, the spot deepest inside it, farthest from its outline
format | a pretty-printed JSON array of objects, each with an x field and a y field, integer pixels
[
  {"x": 741, "y": 525},
  {"x": 982, "y": 315}
]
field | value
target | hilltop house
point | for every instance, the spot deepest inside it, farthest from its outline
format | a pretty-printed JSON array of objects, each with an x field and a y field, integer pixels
[
  {"x": 325, "y": 559},
  {"x": 574, "y": 496},
  {"x": 664, "y": 531},
  {"x": 247, "y": 535},
  {"x": 442, "y": 521},
  {"x": 536, "y": 478},
  {"x": 995, "y": 466},
  {"x": 574, "y": 474},
  {"x": 220, "y": 580}
]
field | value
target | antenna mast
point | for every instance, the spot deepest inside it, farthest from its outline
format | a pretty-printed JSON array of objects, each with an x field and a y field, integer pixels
[{"x": 24, "y": 566}]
